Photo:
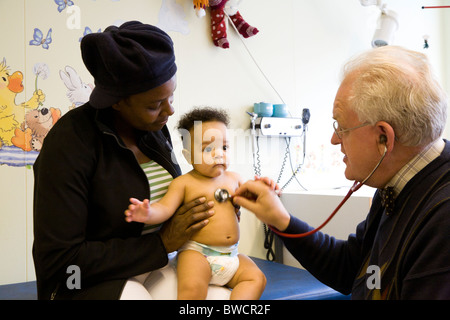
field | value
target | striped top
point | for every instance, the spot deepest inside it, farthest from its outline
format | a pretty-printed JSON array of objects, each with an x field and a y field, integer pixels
[
  {"x": 158, "y": 180},
  {"x": 419, "y": 162}
]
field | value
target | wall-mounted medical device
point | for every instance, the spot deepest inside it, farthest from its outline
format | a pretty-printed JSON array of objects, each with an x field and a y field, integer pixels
[
  {"x": 280, "y": 127},
  {"x": 387, "y": 24}
]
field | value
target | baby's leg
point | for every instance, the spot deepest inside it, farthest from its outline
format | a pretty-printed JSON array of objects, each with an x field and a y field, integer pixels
[
  {"x": 249, "y": 282},
  {"x": 194, "y": 274}
]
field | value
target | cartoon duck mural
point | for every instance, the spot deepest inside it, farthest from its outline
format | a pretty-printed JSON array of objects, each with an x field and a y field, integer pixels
[{"x": 11, "y": 114}]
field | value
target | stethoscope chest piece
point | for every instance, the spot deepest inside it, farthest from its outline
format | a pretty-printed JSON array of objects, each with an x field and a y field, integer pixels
[{"x": 221, "y": 195}]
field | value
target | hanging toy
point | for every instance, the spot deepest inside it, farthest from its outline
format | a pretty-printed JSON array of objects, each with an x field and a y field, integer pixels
[
  {"x": 425, "y": 41},
  {"x": 219, "y": 10},
  {"x": 200, "y": 6}
]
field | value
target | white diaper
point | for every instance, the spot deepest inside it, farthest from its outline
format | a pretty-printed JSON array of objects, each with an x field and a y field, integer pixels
[{"x": 223, "y": 261}]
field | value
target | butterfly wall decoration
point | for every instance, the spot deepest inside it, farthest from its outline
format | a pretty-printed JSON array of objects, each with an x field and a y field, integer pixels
[
  {"x": 39, "y": 40},
  {"x": 62, "y": 4}
]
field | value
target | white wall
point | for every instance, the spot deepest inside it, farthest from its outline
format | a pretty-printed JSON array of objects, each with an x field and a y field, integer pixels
[
  {"x": 316, "y": 206},
  {"x": 301, "y": 47}
]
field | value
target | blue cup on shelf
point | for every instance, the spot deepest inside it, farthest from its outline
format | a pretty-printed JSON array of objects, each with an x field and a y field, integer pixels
[
  {"x": 280, "y": 111},
  {"x": 263, "y": 109}
]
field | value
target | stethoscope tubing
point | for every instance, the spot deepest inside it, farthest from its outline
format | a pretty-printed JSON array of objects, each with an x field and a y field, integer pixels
[{"x": 354, "y": 188}]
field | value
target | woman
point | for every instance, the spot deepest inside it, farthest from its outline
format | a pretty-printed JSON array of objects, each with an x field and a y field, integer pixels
[{"x": 90, "y": 165}]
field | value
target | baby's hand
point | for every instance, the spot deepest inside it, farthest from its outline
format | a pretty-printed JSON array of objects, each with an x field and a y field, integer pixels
[
  {"x": 271, "y": 183},
  {"x": 138, "y": 211}
]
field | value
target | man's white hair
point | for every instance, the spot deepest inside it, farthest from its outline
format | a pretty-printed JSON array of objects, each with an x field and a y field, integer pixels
[{"x": 397, "y": 85}]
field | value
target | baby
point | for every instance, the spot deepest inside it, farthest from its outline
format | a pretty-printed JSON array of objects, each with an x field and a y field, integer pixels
[{"x": 211, "y": 256}]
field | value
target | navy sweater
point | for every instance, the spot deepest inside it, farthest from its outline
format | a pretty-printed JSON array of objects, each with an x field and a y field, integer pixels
[{"x": 410, "y": 247}]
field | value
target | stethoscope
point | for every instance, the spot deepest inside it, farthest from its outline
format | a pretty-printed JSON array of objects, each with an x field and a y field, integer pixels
[
  {"x": 356, "y": 186},
  {"x": 222, "y": 195}
]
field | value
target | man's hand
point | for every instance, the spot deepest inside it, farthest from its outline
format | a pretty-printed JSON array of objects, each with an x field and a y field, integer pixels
[{"x": 262, "y": 199}]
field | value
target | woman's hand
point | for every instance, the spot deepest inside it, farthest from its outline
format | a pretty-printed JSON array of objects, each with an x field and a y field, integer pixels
[
  {"x": 187, "y": 220},
  {"x": 262, "y": 199}
]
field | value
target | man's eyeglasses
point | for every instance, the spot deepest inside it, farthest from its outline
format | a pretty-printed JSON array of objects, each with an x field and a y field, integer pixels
[{"x": 340, "y": 131}]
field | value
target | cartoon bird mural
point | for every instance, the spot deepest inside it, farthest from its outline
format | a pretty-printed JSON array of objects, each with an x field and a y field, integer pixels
[{"x": 11, "y": 114}]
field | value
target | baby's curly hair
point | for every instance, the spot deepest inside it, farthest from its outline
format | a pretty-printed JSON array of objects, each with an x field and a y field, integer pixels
[{"x": 203, "y": 114}]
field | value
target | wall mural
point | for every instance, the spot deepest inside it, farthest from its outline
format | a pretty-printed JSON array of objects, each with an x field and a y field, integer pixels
[
  {"x": 20, "y": 123},
  {"x": 24, "y": 124}
]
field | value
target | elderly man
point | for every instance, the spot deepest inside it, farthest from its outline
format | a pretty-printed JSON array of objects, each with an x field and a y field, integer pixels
[{"x": 389, "y": 114}]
